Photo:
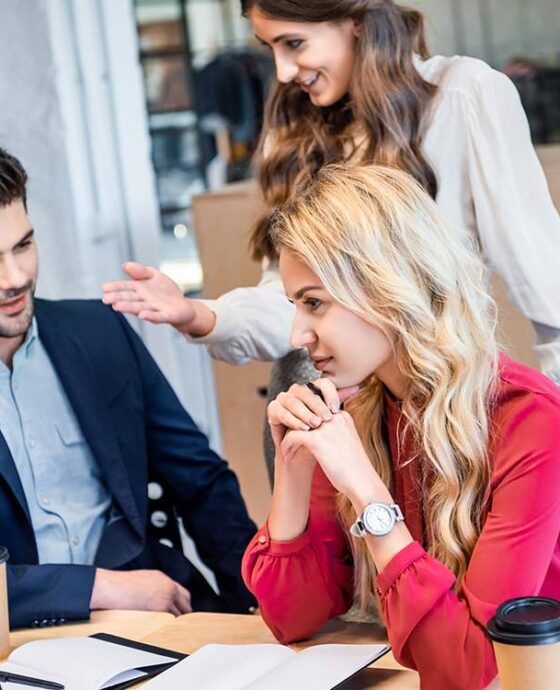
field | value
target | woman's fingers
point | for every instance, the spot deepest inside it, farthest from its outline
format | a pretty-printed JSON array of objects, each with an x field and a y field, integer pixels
[
  {"x": 302, "y": 408},
  {"x": 277, "y": 431},
  {"x": 129, "y": 307},
  {"x": 116, "y": 290},
  {"x": 138, "y": 271},
  {"x": 153, "y": 315},
  {"x": 312, "y": 400},
  {"x": 334, "y": 397},
  {"x": 345, "y": 393},
  {"x": 293, "y": 441},
  {"x": 330, "y": 394},
  {"x": 278, "y": 414},
  {"x": 126, "y": 289}
]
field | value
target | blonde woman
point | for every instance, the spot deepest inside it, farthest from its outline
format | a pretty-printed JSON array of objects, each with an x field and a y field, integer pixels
[
  {"x": 355, "y": 82},
  {"x": 436, "y": 488}
]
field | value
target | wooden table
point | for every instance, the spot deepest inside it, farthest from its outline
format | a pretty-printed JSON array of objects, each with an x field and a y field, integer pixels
[
  {"x": 190, "y": 632},
  {"x": 132, "y": 624}
]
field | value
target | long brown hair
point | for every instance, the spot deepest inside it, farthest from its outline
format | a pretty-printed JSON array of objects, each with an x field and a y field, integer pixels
[{"x": 389, "y": 102}]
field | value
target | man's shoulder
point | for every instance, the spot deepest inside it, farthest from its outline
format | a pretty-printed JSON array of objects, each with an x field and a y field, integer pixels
[
  {"x": 86, "y": 312},
  {"x": 73, "y": 307},
  {"x": 86, "y": 320}
]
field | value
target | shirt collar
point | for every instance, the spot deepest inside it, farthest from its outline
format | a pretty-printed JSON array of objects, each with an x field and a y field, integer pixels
[
  {"x": 31, "y": 337},
  {"x": 26, "y": 349}
]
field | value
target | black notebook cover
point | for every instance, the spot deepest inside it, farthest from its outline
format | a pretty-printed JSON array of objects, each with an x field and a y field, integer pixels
[{"x": 149, "y": 671}]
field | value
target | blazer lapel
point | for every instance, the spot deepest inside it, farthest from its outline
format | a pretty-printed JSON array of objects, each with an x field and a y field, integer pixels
[
  {"x": 83, "y": 389},
  {"x": 9, "y": 472}
]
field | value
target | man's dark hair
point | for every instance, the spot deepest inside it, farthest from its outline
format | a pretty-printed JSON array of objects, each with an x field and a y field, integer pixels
[{"x": 13, "y": 180}]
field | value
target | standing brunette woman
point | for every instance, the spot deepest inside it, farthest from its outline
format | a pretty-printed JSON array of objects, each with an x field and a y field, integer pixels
[
  {"x": 356, "y": 83},
  {"x": 437, "y": 486}
]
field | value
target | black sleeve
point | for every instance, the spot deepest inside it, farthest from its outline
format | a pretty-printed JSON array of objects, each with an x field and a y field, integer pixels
[
  {"x": 206, "y": 492},
  {"x": 41, "y": 595}
]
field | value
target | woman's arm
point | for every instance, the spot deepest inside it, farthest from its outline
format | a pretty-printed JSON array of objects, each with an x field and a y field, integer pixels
[
  {"x": 302, "y": 583},
  {"x": 516, "y": 554},
  {"x": 245, "y": 324},
  {"x": 298, "y": 564},
  {"x": 252, "y": 323},
  {"x": 439, "y": 629},
  {"x": 518, "y": 226}
]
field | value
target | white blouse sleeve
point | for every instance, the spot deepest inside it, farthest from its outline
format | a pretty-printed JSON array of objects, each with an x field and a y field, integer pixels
[
  {"x": 251, "y": 322},
  {"x": 518, "y": 226}
]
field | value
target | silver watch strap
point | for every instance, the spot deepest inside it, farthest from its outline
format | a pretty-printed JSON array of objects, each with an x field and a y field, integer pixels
[{"x": 358, "y": 529}]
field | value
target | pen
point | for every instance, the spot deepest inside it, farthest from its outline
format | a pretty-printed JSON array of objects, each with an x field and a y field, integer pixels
[
  {"x": 29, "y": 680},
  {"x": 315, "y": 389},
  {"x": 319, "y": 392}
]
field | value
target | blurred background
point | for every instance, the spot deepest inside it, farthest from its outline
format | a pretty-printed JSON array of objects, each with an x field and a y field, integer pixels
[{"x": 123, "y": 110}]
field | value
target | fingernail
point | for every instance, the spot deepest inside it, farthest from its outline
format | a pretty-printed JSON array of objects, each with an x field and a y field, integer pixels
[
  {"x": 335, "y": 407},
  {"x": 304, "y": 427},
  {"x": 316, "y": 421}
]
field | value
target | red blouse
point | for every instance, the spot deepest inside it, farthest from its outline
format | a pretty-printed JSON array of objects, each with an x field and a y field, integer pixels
[{"x": 303, "y": 583}]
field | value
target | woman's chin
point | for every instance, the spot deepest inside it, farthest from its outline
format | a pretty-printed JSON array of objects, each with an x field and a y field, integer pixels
[{"x": 341, "y": 381}]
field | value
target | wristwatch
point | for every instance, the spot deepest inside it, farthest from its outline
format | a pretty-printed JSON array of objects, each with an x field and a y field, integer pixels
[{"x": 377, "y": 519}]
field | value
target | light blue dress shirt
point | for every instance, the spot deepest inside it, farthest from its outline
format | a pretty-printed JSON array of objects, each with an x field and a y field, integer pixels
[{"x": 67, "y": 498}]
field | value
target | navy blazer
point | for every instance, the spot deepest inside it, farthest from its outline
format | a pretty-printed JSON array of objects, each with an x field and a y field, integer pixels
[{"x": 133, "y": 423}]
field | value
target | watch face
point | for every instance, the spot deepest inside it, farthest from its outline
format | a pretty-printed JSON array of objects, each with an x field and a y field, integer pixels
[{"x": 378, "y": 519}]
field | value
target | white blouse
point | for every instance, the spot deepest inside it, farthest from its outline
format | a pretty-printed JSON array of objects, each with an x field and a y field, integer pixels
[{"x": 490, "y": 183}]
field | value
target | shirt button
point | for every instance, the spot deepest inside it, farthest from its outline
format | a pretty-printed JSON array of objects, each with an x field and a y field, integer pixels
[
  {"x": 45, "y": 500},
  {"x": 262, "y": 539},
  {"x": 75, "y": 541},
  {"x": 32, "y": 443}
]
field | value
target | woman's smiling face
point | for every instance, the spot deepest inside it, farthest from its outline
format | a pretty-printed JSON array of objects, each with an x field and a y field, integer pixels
[
  {"x": 319, "y": 57},
  {"x": 343, "y": 346}
]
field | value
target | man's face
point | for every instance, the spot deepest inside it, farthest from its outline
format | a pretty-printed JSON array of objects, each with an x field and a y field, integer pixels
[{"x": 18, "y": 271}]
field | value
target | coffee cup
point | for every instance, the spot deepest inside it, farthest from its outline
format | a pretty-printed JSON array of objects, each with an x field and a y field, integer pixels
[
  {"x": 4, "y": 618},
  {"x": 526, "y": 637}
]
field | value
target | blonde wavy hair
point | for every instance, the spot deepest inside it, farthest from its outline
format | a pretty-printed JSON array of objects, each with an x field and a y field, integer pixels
[{"x": 377, "y": 242}]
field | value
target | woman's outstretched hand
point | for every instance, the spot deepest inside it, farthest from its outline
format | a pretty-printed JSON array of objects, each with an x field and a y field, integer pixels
[{"x": 154, "y": 297}]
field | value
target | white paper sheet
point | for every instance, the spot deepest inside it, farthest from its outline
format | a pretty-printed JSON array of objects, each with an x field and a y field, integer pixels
[
  {"x": 266, "y": 667},
  {"x": 222, "y": 667},
  {"x": 83, "y": 662}
]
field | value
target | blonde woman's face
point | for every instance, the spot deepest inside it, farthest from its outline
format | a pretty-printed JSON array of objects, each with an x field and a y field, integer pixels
[
  {"x": 343, "y": 346},
  {"x": 319, "y": 57}
]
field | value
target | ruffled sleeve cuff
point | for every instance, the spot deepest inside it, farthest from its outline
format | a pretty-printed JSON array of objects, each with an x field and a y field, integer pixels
[
  {"x": 224, "y": 327},
  {"x": 263, "y": 544},
  {"x": 397, "y": 565}
]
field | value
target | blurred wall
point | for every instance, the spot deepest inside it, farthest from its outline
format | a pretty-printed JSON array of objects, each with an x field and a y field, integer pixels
[
  {"x": 32, "y": 128},
  {"x": 72, "y": 108},
  {"x": 493, "y": 30}
]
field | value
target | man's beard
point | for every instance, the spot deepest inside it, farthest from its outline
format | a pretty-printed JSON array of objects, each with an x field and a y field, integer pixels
[{"x": 18, "y": 324}]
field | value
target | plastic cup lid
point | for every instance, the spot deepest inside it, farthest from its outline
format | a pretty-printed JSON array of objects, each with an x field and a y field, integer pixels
[
  {"x": 526, "y": 621},
  {"x": 4, "y": 555}
]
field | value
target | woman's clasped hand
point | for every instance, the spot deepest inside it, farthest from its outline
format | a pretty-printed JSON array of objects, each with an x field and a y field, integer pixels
[{"x": 308, "y": 426}]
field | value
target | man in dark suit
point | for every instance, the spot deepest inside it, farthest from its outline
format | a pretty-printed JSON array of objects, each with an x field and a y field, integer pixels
[{"x": 86, "y": 421}]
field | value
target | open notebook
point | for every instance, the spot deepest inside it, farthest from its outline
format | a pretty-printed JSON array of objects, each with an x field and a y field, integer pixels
[
  {"x": 87, "y": 663},
  {"x": 267, "y": 667}
]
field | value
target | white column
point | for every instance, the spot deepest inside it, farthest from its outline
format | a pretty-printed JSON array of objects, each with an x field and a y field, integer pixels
[{"x": 72, "y": 109}]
